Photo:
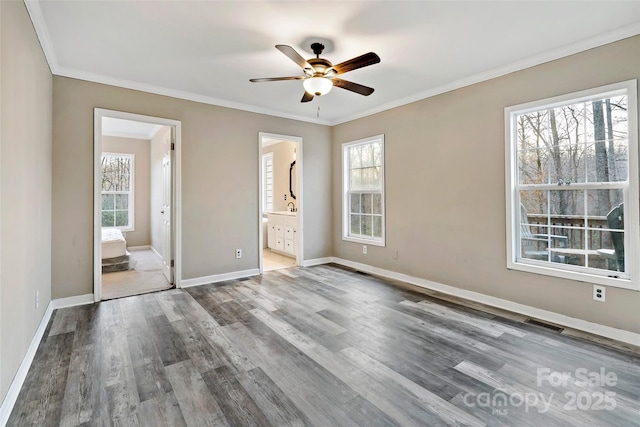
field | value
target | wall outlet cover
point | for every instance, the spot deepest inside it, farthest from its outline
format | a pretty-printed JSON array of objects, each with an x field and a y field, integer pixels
[{"x": 599, "y": 293}]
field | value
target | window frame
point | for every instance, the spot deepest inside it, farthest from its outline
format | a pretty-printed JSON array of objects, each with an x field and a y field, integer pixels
[
  {"x": 131, "y": 193},
  {"x": 630, "y": 192},
  {"x": 346, "y": 236},
  {"x": 265, "y": 208}
]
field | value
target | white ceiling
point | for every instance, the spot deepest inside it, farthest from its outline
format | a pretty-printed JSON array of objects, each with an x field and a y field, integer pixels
[
  {"x": 208, "y": 50},
  {"x": 112, "y": 126}
]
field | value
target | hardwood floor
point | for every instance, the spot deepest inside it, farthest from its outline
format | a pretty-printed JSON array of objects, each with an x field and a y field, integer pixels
[{"x": 322, "y": 346}]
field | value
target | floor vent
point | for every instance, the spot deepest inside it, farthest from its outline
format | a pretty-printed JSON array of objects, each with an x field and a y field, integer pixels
[{"x": 544, "y": 325}]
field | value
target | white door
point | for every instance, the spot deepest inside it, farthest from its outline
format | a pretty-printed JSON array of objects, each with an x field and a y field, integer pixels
[{"x": 167, "y": 193}]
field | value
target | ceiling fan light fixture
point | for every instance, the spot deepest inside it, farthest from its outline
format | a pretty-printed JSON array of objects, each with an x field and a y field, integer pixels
[
  {"x": 320, "y": 74},
  {"x": 317, "y": 85}
]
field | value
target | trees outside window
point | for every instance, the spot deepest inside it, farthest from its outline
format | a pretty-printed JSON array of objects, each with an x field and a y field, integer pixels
[
  {"x": 117, "y": 190},
  {"x": 363, "y": 184},
  {"x": 572, "y": 184}
]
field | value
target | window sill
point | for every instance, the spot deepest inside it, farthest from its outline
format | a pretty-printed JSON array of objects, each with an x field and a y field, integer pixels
[
  {"x": 624, "y": 283},
  {"x": 123, "y": 229},
  {"x": 364, "y": 241}
]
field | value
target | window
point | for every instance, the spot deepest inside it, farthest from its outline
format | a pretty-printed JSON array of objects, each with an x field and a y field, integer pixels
[
  {"x": 363, "y": 186},
  {"x": 117, "y": 191},
  {"x": 572, "y": 186},
  {"x": 267, "y": 182}
]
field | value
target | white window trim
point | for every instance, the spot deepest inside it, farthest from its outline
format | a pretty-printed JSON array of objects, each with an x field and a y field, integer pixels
[
  {"x": 264, "y": 183},
  {"x": 632, "y": 214},
  {"x": 132, "y": 198},
  {"x": 345, "y": 194}
]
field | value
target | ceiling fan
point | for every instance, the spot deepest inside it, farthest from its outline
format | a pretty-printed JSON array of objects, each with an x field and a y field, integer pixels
[{"x": 320, "y": 75}]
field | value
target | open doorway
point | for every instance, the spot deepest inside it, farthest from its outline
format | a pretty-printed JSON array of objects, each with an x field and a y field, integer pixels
[
  {"x": 135, "y": 204},
  {"x": 280, "y": 207}
]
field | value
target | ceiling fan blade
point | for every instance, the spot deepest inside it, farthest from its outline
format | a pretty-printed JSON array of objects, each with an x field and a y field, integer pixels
[
  {"x": 294, "y": 56},
  {"x": 306, "y": 97},
  {"x": 355, "y": 63},
  {"x": 353, "y": 87},
  {"x": 276, "y": 79}
]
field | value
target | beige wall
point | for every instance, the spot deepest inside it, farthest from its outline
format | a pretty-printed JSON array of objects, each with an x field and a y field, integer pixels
[
  {"x": 282, "y": 158},
  {"x": 141, "y": 149},
  {"x": 159, "y": 146},
  {"x": 219, "y": 181},
  {"x": 25, "y": 227},
  {"x": 445, "y": 186}
]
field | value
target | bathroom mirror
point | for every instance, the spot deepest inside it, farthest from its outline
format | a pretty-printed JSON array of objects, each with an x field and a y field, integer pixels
[{"x": 293, "y": 196}]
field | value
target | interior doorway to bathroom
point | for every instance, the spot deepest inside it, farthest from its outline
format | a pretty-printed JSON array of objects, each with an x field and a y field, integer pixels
[{"x": 280, "y": 201}]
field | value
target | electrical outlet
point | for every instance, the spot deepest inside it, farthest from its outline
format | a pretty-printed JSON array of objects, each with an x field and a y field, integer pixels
[
  {"x": 364, "y": 249},
  {"x": 37, "y": 299},
  {"x": 238, "y": 253},
  {"x": 395, "y": 254},
  {"x": 285, "y": 197},
  {"x": 598, "y": 293}
]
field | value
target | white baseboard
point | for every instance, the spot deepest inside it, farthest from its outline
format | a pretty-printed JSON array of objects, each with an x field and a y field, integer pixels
[
  {"x": 316, "y": 261},
  {"x": 72, "y": 301},
  {"x": 21, "y": 374},
  {"x": 560, "y": 319},
  {"x": 155, "y": 251},
  {"x": 549, "y": 316},
  {"x": 187, "y": 283},
  {"x": 139, "y": 248},
  {"x": 14, "y": 389}
]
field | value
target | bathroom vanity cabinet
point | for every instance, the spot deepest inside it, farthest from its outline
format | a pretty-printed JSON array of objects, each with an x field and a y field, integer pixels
[{"x": 281, "y": 232}]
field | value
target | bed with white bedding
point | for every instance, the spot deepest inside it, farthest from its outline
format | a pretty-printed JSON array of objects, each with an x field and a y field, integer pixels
[
  {"x": 113, "y": 243},
  {"x": 114, "y": 251}
]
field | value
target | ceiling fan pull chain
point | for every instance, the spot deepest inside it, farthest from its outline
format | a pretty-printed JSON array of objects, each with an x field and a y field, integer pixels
[{"x": 318, "y": 112}]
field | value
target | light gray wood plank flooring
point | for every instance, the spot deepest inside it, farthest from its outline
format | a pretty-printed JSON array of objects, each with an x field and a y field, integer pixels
[{"x": 318, "y": 346}]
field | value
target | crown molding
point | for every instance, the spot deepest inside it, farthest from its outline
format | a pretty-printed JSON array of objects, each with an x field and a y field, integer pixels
[
  {"x": 188, "y": 96},
  {"x": 581, "y": 46},
  {"x": 37, "y": 18},
  {"x": 35, "y": 13}
]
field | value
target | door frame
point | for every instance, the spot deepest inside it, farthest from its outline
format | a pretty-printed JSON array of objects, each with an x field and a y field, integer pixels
[
  {"x": 299, "y": 196},
  {"x": 176, "y": 240}
]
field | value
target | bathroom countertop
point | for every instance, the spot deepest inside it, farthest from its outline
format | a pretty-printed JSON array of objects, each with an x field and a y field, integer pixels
[{"x": 284, "y": 213}]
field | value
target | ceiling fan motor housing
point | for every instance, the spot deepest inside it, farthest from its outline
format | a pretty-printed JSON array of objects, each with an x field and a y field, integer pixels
[{"x": 320, "y": 66}]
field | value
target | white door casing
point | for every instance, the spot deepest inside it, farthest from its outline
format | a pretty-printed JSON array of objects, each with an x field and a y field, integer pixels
[
  {"x": 175, "y": 220},
  {"x": 167, "y": 205},
  {"x": 298, "y": 247}
]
